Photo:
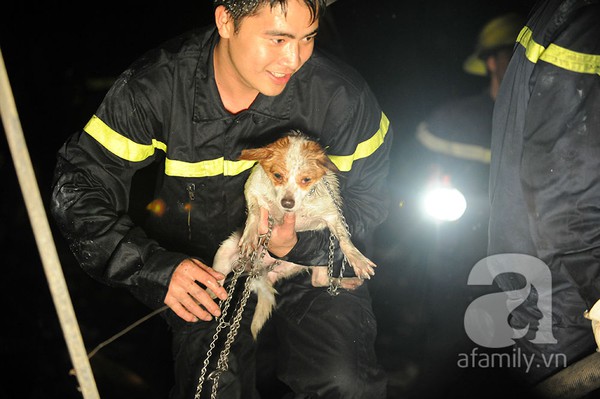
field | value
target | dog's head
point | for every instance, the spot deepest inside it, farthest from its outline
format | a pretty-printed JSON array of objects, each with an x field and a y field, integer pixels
[{"x": 294, "y": 164}]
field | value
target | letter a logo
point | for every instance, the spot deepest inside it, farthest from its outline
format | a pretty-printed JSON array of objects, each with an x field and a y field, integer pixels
[{"x": 486, "y": 318}]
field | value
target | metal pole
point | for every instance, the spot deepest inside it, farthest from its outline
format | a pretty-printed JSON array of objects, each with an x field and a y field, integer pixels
[{"x": 43, "y": 236}]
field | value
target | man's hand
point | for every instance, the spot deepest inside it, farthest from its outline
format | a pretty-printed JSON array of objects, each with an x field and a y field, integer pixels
[
  {"x": 283, "y": 236},
  {"x": 188, "y": 299},
  {"x": 594, "y": 315}
]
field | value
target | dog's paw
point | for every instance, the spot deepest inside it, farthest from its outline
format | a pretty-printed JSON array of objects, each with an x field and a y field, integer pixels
[
  {"x": 363, "y": 267},
  {"x": 248, "y": 243}
]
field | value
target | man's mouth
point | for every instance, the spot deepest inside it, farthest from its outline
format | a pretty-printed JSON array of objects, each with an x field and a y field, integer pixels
[{"x": 281, "y": 78}]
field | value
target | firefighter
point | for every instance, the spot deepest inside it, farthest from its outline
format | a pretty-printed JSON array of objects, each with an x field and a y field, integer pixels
[
  {"x": 453, "y": 146},
  {"x": 455, "y": 138},
  {"x": 190, "y": 107},
  {"x": 544, "y": 182}
]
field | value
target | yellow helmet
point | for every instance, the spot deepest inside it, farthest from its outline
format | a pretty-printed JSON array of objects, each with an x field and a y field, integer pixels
[{"x": 498, "y": 33}]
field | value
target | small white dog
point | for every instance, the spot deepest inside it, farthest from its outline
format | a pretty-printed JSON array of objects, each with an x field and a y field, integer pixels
[{"x": 293, "y": 174}]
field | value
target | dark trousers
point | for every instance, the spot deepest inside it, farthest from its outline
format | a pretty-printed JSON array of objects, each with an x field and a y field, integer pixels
[{"x": 321, "y": 346}]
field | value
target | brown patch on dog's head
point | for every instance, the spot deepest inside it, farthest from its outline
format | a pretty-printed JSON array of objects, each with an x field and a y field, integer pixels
[
  {"x": 314, "y": 151},
  {"x": 314, "y": 166},
  {"x": 309, "y": 163},
  {"x": 272, "y": 159}
]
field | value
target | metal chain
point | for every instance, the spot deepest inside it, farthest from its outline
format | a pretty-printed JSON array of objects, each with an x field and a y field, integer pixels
[
  {"x": 222, "y": 363},
  {"x": 221, "y": 323},
  {"x": 334, "y": 284},
  {"x": 338, "y": 205}
]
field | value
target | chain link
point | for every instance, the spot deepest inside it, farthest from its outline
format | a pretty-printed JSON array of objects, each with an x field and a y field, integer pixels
[{"x": 334, "y": 283}]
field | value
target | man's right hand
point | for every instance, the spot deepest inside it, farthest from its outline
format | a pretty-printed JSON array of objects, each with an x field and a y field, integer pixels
[{"x": 187, "y": 298}]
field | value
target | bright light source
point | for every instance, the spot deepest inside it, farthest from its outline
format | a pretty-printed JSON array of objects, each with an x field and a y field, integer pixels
[{"x": 444, "y": 203}]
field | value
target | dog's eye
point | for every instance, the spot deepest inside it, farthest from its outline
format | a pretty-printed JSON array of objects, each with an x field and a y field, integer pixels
[
  {"x": 306, "y": 180},
  {"x": 277, "y": 176}
]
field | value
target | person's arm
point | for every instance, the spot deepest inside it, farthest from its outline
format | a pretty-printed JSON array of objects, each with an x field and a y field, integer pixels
[
  {"x": 561, "y": 156},
  {"x": 90, "y": 200}
]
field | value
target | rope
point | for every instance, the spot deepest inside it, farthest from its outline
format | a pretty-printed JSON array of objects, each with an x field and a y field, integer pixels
[
  {"x": 43, "y": 237},
  {"x": 125, "y": 330}
]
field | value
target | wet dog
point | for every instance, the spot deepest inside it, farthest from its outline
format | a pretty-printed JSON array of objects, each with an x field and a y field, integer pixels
[{"x": 293, "y": 174}]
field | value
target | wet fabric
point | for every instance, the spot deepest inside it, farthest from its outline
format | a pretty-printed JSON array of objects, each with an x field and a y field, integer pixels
[
  {"x": 321, "y": 346},
  {"x": 544, "y": 183},
  {"x": 165, "y": 113}
]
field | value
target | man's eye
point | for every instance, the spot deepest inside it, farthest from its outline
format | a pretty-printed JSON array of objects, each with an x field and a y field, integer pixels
[{"x": 278, "y": 41}]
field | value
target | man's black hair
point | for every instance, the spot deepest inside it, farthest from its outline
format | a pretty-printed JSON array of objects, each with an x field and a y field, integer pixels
[{"x": 239, "y": 9}]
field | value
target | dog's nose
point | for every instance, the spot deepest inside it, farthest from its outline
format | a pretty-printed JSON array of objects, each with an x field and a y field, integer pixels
[{"x": 288, "y": 203}]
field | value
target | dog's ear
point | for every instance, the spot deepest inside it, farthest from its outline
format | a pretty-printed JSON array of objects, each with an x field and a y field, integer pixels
[
  {"x": 328, "y": 164},
  {"x": 321, "y": 157},
  {"x": 255, "y": 154}
]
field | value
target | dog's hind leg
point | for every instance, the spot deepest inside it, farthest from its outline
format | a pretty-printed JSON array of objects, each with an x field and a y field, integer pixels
[
  {"x": 226, "y": 257},
  {"x": 264, "y": 304},
  {"x": 263, "y": 286}
]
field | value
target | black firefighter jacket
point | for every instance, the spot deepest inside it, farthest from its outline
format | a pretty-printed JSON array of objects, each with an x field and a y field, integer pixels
[
  {"x": 165, "y": 111},
  {"x": 545, "y": 170}
]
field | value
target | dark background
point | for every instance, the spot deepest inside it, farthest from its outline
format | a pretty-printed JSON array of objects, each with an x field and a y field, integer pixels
[{"x": 61, "y": 59}]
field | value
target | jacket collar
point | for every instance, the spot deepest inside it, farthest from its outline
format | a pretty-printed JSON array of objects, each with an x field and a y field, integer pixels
[{"x": 207, "y": 101}]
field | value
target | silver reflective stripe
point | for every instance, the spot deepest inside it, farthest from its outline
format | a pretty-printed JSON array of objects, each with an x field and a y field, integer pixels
[{"x": 454, "y": 149}]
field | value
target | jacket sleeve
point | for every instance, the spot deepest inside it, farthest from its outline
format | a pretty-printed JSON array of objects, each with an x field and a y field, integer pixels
[
  {"x": 90, "y": 196},
  {"x": 561, "y": 152},
  {"x": 546, "y": 146},
  {"x": 361, "y": 152}
]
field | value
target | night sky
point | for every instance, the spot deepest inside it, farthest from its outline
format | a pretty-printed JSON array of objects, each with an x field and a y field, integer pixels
[{"x": 60, "y": 61}]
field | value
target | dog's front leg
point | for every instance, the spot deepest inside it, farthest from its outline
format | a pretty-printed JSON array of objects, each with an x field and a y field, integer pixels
[
  {"x": 249, "y": 240},
  {"x": 363, "y": 266}
]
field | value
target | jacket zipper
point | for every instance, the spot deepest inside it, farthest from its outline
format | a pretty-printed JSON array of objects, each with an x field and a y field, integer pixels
[{"x": 191, "y": 188}]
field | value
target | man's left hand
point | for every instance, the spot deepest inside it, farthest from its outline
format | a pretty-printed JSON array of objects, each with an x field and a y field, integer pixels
[{"x": 283, "y": 236}]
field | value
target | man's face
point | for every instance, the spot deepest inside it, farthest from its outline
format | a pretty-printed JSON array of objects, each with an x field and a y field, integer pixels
[
  {"x": 270, "y": 47},
  {"x": 502, "y": 59}
]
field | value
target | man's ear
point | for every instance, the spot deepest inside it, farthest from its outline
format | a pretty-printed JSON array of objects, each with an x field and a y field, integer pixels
[
  {"x": 491, "y": 64},
  {"x": 224, "y": 22}
]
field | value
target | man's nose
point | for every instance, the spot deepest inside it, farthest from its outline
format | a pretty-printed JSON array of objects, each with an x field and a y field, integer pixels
[{"x": 291, "y": 56}]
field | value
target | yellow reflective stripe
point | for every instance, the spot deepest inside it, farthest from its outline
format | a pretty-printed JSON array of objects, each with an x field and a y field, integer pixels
[
  {"x": 211, "y": 167},
  {"x": 364, "y": 149},
  {"x": 119, "y": 145},
  {"x": 454, "y": 149},
  {"x": 558, "y": 56},
  {"x": 131, "y": 151}
]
